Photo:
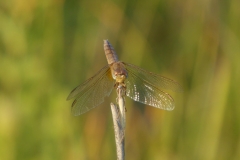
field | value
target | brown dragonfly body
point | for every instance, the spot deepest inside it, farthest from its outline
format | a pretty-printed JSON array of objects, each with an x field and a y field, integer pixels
[
  {"x": 119, "y": 73},
  {"x": 140, "y": 85}
]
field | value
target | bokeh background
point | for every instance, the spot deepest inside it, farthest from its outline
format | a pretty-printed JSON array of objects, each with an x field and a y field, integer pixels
[{"x": 48, "y": 47}]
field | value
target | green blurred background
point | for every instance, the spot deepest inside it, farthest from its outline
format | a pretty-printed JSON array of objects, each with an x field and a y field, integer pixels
[{"x": 47, "y": 47}]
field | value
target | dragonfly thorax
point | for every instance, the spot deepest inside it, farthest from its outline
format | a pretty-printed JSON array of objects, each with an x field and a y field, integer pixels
[{"x": 119, "y": 73}]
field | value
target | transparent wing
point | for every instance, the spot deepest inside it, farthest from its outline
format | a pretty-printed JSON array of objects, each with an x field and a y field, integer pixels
[
  {"x": 145, "y": 87},
  {"x": 92, "y": 92}
]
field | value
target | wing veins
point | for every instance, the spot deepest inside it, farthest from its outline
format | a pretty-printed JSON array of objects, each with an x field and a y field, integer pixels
[
  {"x": 89, "y": 88},
  {"x": 153, "y": 86},
  {"x": 165, "y": 83},
  {"x": 82, "y": 104},
  {"x": 80, "y": 88},
  {"x": 136, "y": 77}
]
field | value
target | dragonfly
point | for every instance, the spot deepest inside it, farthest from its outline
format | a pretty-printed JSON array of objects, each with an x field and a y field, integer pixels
[{"x": 139, "y": 84}]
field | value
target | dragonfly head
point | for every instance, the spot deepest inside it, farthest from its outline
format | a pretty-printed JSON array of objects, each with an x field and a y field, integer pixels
[{"x": 120, "y": 78}]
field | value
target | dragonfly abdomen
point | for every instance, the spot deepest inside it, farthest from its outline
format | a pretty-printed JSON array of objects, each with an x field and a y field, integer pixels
[{"x": 110, "y": 52}]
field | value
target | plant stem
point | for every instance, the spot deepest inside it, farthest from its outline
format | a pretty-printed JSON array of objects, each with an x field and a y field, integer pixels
[{"x": 118, "y": 113}]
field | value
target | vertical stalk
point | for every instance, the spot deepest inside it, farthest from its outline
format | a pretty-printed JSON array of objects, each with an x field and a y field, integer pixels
[{"x": 118, "y": 112}]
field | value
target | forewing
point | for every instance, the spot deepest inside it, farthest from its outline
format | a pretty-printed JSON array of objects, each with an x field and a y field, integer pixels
[
  {"x": 92, "y": 92},
  {"x": 154, "y": 79},
  {"x": 145, "y": 87}
]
